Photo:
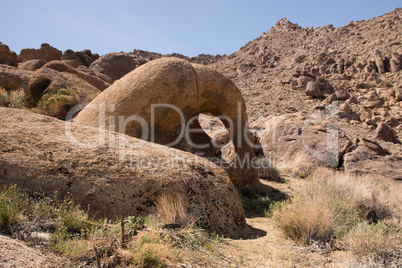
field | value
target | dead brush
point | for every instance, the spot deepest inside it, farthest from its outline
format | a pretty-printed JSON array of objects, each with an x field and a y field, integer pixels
[{"x": 171, "y": 211}]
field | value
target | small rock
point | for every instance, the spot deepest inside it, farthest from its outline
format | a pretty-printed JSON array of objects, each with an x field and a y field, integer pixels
[
  {"x": 352, "y": 99},
  {"x": 302, "y": 81},
  {"x": 313, "y": 90},
  {"x": 386, "y": 133},
  {"x": 331, "y": 98},
  {"x": 342, "y": 94},
  {"x": 379, "y": 62}
]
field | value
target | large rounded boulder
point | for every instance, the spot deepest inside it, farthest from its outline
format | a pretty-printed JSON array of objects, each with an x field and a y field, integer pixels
[
  {"x": 160, "y": 102},
  {"x": 113, "y": 174}
]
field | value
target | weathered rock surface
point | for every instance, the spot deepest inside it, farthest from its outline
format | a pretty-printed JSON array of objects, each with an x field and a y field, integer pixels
[
  {"x": 386, "y": 133},
  {"x": 369, "y": 159},
  {"x": 46, "y": 52},
  {"x": 116, "y": 65},
  {"x": 57, "y": 74},
  {"x": 117, "y": 176},
  {"x": 32, "y": 65},
  {"x": 79, "y": 58},
  {"x": 7, "y": 56},
  {"x": 182, "y": 91},
  {"x": 298, "y": 142},
  {"x": 13, "y": 78}
]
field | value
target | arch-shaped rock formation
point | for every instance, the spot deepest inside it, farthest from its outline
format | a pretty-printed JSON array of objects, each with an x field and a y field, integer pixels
[{"x": 160, "y": 102}]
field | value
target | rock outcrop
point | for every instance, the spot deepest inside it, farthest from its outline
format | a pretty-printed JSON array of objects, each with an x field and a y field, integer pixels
[
  {"x": 160, "y": 102},
  {"x": 373, "y": 159},
  {"x": 300, "y": 143},
  {"x": 46, "y": 53},
  {"x": 7, "y": 56},
  {"x": 32, "y": 65},
  {"x": 57, "y": 74},
  {"x": 79, "y": 58},
  {"x": 116, "y": 65},
  {"x": 13, "y": 78},
  {"x": 113, "y": 174}
]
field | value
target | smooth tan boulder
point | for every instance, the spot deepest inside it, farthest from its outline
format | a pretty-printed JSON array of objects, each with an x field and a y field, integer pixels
[
  {"x": 160, "y": 102},
  {"x": 113, "y": 177}
]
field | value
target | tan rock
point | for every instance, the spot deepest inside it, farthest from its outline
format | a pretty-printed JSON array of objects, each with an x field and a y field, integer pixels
[
  {"x": 13, "y": 78},
  {"x": 301, "y": 143},
  {"x": 119, "y": 176},
  {"x": 32, "y": 65},
  {"x": 116, "y": 65},
  {"x": 366, "y": 160},
  {"x": 15, "y": 253},
  {"x": 386, "y": 133},
  {"x": 182, "y": 91},
  {"x": 379, "y": 61},
  {"x": 342, "y": 94},
  {"x": 46, "y": 52},
  {"x": 314, "y": 90}
]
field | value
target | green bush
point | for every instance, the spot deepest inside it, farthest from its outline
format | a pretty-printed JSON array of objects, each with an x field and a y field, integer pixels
[{"x": 59, "y": 104}]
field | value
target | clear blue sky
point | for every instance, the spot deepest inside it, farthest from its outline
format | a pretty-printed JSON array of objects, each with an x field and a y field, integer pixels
[{"x": 188, "y": 27}]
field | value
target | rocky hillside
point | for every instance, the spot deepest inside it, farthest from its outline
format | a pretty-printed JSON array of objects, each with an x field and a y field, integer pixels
[
  {"x": 273, "y": 70},
  {"x": 356, "y": 68}
]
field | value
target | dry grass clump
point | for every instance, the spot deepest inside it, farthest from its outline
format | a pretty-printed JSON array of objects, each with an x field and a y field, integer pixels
[
  {"x": 14, "y": 99},
  {"x": 358, "y": 213},
  {"x": 171, "y": 210},
  {"x": 381, "y": 242}
]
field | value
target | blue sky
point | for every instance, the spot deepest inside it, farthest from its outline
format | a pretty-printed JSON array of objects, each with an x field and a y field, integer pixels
[{"x": 186, "y": 27}]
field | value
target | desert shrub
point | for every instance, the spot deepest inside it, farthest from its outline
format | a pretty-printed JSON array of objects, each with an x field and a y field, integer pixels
[
  {"x": 314, "y": 218},
  {"x": 18, "y": 99},
  {"x": 148, "y": 251},
  {"x": 382, "y": 242},
  {"x": 59, "y": 104},
  {"x": 339, "y": 209},
  {"x": 3, "y": 98},
  {"x": 14, "y": 99},
  {"x": 13, "y": 204},
  {"x": 267, "y": 171},
  {"x": 259, "y": 204}
]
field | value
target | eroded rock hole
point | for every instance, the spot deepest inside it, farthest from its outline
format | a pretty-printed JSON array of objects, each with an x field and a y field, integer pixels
[{"x": 220, "y": 136}]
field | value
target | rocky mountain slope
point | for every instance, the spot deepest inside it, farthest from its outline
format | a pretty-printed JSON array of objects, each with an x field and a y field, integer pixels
[{"x": 355, "y": 68}]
